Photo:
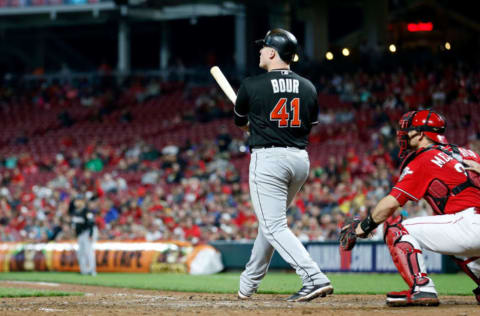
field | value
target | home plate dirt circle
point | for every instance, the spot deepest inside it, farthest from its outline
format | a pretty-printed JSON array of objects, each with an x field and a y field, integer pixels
[{"x": 121, "y": 301}]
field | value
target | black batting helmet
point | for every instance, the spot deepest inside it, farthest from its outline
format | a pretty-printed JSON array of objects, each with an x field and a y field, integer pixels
[{"x": 284, "y": 43}]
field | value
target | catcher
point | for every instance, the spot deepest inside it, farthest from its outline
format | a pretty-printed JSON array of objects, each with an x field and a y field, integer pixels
[{"x": 446, "y": 177}]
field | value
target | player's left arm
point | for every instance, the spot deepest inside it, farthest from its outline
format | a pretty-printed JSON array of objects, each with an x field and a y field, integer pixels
[
  {"x": 472, "y": 165},
  {"x": 241, "y": 108},
  {"x": 471, "y": 161},
  {"x": 383, "y": 210}
]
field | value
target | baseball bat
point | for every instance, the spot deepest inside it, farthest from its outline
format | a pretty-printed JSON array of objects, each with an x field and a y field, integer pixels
[{"x": 217, "y": 74}]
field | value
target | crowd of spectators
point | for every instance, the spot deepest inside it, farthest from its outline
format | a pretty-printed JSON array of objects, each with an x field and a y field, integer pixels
[
  {"x": 195, "y": 191},
  {"x": 400, "y": 89}
]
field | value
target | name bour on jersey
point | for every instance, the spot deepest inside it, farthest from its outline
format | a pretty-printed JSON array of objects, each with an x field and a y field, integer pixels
[{"x": 285, "y": 85}]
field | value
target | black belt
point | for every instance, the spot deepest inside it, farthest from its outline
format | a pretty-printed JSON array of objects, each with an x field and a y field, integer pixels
[{"x": 273, "y": 146}]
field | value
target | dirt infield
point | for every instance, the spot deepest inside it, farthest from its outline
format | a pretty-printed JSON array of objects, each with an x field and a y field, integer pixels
[{"x": 120, "y": 301}]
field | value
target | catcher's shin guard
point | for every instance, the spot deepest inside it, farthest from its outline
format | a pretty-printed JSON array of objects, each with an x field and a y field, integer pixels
[
  {"x": 406, "y": 253},
  {"x": 471, "y": 266}
]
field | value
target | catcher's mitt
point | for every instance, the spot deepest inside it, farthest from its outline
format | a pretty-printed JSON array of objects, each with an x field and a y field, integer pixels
[{"x": 348, "y": 238}]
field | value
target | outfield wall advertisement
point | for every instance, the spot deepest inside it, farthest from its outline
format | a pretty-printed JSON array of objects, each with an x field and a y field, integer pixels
[
  {"x": 182, "y": 257},
  {"x": 141, "y": 257},
  {"x": 369, "y": 256}
]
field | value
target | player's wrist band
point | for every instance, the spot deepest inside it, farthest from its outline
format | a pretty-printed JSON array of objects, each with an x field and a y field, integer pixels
[{"x": 368, "y": 225}]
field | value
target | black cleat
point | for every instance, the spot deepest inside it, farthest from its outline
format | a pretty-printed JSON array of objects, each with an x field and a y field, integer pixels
[{"x": 309, "y": 292}]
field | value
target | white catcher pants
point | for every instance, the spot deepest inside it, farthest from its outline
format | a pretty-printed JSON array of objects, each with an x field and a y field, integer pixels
[
  {"x": 451, "y": 234},
  {"x": 275, "y": 177}
]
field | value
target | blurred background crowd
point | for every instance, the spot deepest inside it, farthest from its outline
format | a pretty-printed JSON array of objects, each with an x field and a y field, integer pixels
[{"x": 160, "y": 159}]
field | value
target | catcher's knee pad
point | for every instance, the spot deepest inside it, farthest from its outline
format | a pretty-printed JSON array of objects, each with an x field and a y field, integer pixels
[
  {"x": 406, "y": 253},
  {"x": 393, "y": 229}
]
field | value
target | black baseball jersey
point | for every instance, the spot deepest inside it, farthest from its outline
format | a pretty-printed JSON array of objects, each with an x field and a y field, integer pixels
[
  {"x": 281, "y": 107},
  {"x": 82, "y": 218}
]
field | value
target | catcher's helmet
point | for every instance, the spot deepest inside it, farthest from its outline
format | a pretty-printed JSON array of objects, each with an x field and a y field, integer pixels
[
  {"x": 284, "y": 42},
  {"x": 429, "y": 122}
]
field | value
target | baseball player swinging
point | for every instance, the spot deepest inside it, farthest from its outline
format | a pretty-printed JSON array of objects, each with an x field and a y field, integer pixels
[
  {"x": 444, "y": 175},
  {"x": 280, "y": 108}
]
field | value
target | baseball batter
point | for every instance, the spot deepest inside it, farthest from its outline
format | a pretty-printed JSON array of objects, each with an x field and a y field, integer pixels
[
  {"x": 444, "y": 175},
  {"x": 280, "y": 108}
]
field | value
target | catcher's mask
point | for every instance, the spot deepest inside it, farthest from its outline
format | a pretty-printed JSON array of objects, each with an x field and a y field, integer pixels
[{"x": 429, "y": 122}]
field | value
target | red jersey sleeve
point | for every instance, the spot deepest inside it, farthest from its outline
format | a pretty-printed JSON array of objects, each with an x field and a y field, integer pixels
[
  {"x": 412, "y": 183},
  {"x": 468, "y": 154}
]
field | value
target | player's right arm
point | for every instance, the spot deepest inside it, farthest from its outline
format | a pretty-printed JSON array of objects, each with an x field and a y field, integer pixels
[
  {"x": 383, "y": 210},
  {"x": 412, "y": 185}
]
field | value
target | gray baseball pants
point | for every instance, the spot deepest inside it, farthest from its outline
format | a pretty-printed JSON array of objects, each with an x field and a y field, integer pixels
[
  {"x": 275, "y": 176},
  {"x": 86, "y": 252}
]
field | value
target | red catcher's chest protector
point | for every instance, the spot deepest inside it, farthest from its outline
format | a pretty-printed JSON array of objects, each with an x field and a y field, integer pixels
[
  {"x": 437, "y": 196},
  {"x": 438, "y": 192}
]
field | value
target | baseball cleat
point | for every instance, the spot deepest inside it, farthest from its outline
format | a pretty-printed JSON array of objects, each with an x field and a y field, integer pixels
[
  {"x": 409, "y": 298},
  {"x": 477, "y": 294},
  {"x": 242, "y": 296},
  {"x": 309, "y": 292}
]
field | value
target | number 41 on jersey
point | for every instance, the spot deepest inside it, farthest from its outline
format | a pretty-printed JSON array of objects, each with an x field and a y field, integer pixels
[{"x": 282, "y": 116}]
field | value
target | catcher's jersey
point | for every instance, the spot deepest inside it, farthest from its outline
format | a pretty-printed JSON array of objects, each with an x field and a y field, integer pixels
[
  {"x": 281, "y": 107},
  {"x": 435, "y": 164}
]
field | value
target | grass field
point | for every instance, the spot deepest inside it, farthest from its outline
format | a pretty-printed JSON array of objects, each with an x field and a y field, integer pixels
[
  {"x": 274, "y": 282},
  {"x": 16, "y": 292}
]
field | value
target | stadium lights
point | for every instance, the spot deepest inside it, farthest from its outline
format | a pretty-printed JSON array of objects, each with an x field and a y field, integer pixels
[
  {"x": 345, "y": 52},
  {"x": 448, "y": 46},
  {"x": 329, "y": 56},
  {"x": 392, "y": 48}
]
